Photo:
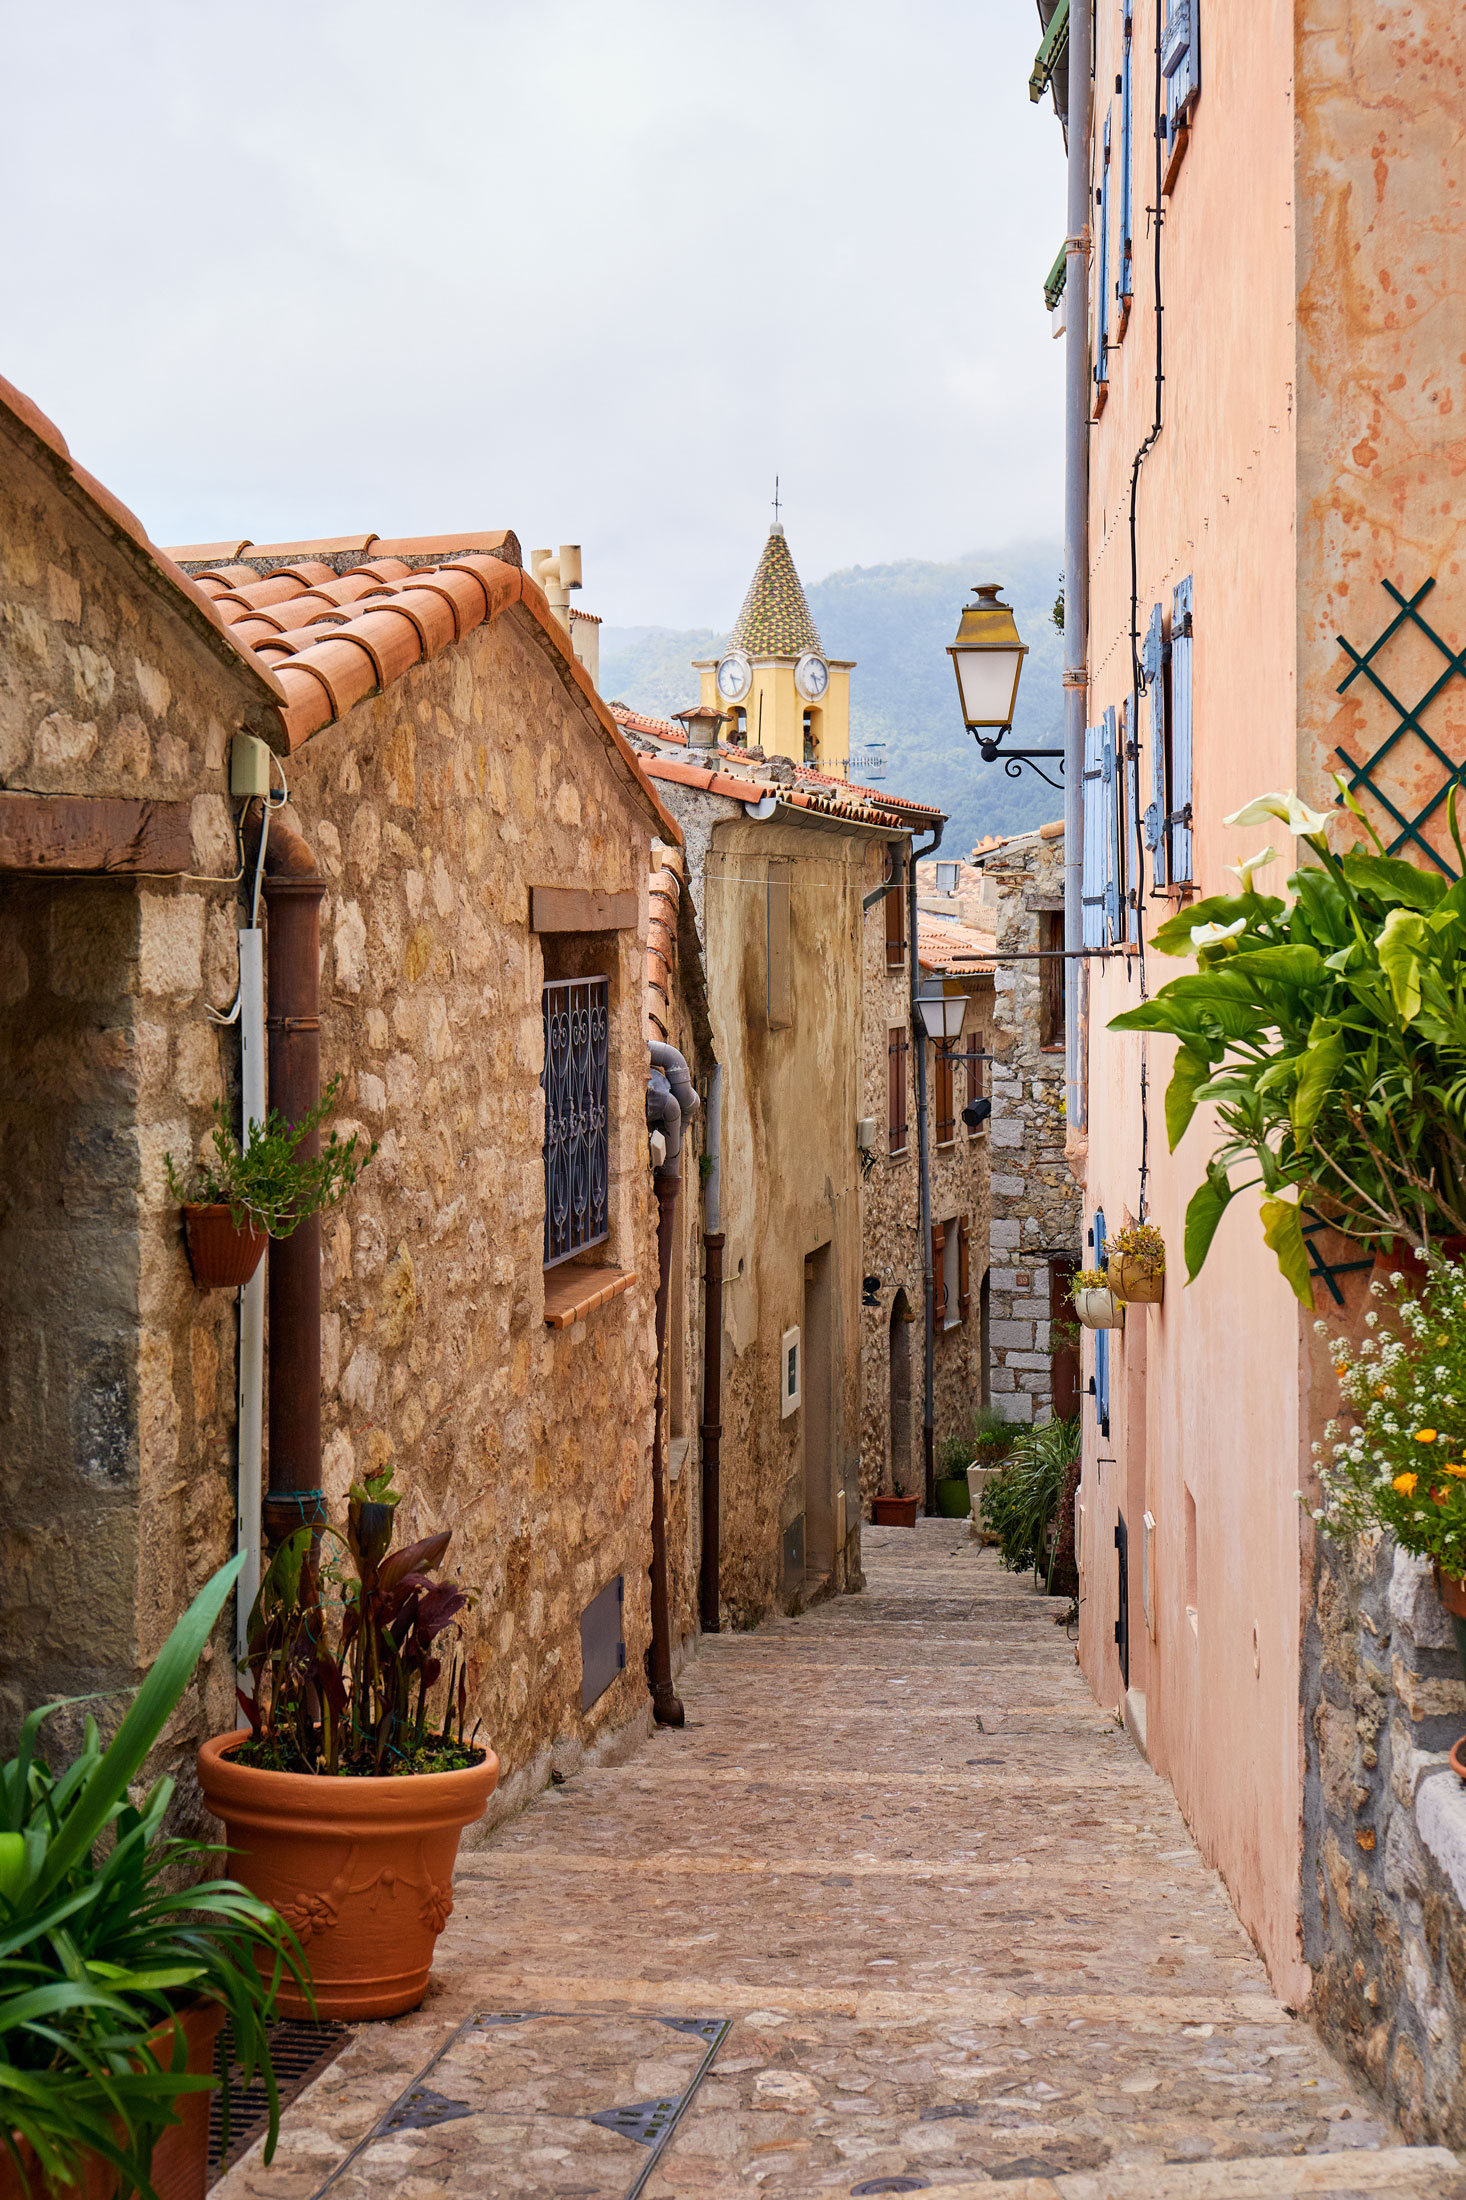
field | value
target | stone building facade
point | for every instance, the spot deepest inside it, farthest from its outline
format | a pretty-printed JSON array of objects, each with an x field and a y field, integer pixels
[
  {"x": 1384, "y": 1832},
  {"x": 1033, "y": 1366},
  {"x": 893, "y": 1307},
  {"x": 459, "y": 782}
]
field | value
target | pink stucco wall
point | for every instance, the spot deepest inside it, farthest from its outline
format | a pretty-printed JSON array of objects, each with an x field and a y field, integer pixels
[
  {"x": 1314, "y": 279},
  {"x": 1204, "y": 1389}
]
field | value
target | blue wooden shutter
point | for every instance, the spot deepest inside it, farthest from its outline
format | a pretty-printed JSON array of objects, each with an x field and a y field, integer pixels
[
  {"x": 1125, "y": 279},
  {"x": 1157, "y": 832},
  {"x": 1181, "y": 732},
  {"x": 1180, "y": 62},
  {"x": 1092, "y": 887},
  {"x": 1102, "y": 282},
  {"x": 1134, "y": 883},
  {"x": 1101, "y": 1338},
  {"x": 1110, "y": 791}
]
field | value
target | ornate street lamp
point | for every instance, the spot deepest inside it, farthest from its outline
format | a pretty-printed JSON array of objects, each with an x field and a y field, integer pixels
[
  {"x": 988, "y": 658},
  {"x": 942, "y": 1013}
]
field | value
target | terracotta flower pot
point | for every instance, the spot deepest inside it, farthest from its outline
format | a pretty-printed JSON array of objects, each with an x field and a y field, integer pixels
[
  {"x": 221, "y": 1257},
  {"x": 1098, "y": 1309},
  {"x": 895, "y": 1512},
  {"x": 181, "y": 2156},
  {"x": 1137, "y": 1282},
  {"x": 361, "y": 1868}
]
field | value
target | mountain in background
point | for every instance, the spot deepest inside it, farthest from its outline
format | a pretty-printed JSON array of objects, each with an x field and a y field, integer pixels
[{"x": 896, "y": 622}]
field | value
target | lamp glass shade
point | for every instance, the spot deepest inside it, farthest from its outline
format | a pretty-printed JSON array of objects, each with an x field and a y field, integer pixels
[
  {"x": 942, "y": 1014},
  {"x": 988, "y": 656}
]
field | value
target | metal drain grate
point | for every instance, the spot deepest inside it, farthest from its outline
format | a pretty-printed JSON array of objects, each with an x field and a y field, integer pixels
[{"x": 300, "y": 2052}]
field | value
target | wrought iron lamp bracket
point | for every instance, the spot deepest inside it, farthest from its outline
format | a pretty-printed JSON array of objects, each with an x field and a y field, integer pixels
[
  {"x": 1013, "y": 760},
  {"x": 1409, "y": 720}
]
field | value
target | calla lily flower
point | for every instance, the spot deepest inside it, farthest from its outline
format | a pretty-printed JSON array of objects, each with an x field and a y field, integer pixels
[
  {"x": 1208, "y": 935},
  {"x": 1296, "y": 815},
  {"x": 1243, "y": 871}
]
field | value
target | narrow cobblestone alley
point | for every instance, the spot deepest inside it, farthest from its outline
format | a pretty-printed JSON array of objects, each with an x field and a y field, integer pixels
[{"x": 899, "y": 1909}]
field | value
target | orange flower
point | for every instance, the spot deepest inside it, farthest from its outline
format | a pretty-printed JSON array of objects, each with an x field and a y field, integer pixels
[
  {"x": 1457, "y": 1468},
  {"x": 1425, "y": 1436},
  {"x": 1405, "y": 1484}
]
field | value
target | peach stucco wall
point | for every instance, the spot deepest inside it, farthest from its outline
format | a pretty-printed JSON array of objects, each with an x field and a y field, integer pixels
[
  {"x": 1204, "y": 1389},
  {"x": 1314, "y": 280}
]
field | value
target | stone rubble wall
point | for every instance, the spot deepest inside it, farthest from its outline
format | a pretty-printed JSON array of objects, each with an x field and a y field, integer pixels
[
  {"x": 1384, "y": 1835},
  {"x": 433, "y": 809},
  {"x": 892, "y": 1231},
  {"x": 117, "y": 1377},
  {"x": 1036, "y": 1204}
]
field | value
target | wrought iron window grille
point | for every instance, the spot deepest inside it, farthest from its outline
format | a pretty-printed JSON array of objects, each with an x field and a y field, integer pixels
[
  {"x": 577, "y": 1147},
  {"x": 1323, "y": 1270},
  {"x": 1408, "y": 722}
]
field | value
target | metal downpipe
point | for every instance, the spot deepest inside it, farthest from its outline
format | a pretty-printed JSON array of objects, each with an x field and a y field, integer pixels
[
  {"x": 1076, "y": 552},
  {"x": 709, "y": 1586}
]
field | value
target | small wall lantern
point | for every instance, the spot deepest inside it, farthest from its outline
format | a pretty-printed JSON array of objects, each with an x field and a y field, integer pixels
[
  {"x": 942, "y": 1014},
  {"x": 988, "y": 659}
]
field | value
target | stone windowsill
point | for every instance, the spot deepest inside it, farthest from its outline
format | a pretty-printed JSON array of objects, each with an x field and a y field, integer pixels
[{"x": 573, "y": 1292}]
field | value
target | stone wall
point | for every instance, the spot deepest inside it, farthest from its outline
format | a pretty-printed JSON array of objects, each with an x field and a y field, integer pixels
[
  {"x": 892, "y": 1232},
  {"x": 116, "y": 1376},
  {"x": 1035, "y": 1200},
  {"x": 433, "y": 808},
  {"x": 1384, "y": 1836}
]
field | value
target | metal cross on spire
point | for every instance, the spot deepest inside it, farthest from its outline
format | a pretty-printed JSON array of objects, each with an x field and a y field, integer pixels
[{"x": 776, "y": 500}]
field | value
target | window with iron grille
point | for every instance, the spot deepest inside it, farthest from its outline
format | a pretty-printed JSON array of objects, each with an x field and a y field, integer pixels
[
  {"x": 577, "y": 1116},
  {"x": 898, "y": 1051}
]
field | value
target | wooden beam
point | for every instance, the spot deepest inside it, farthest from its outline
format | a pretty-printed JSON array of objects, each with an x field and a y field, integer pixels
[
  {"x": 96, "y": 834},
  {"x": 581, "y": 909}
]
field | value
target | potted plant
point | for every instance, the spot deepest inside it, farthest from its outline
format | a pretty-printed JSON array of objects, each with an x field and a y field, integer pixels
[
  {"x": 1135, "y": 1264},
  {"x": 1095, "y": 1303},
  {"x": 116, "y": 1973},
  {"x": 954, "y": 1501},
  {"x": 344, "y": 1801},
  {"x": 1325, "y": 1032},
  {"x": 1400, "y": 1461},
  {"x": 1022, "y": 1506},
  {"x": 245, "y": 1195},
  {"x": 992, "y": 1440},
  {"x": 892, "y": 1510}
]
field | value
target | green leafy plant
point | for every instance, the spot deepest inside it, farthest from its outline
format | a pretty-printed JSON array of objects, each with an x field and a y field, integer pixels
[
  {"x": 1329, "y": 1033},
  {"x": 342, "y": 1655},
  {"x": 1089, "y": 1279},
  {"x": 1400, "y": 1463},
  {"x": 1138, "y": 1241},
  {"x": 102, "y": 1940},
  {"x": 1021, "y": 1504},
  {"x": 954, "y": 1457},
  {"x": 270, "y": 1182}
]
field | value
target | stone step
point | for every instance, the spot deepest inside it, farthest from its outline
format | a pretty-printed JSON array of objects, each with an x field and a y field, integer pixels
[{"x": 1416, "y": 2173}]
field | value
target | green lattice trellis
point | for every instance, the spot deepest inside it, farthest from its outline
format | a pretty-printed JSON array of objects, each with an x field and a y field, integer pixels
[
  {"x": 1325, "y": 1271},
  {"x": 1363, "y": 775}
]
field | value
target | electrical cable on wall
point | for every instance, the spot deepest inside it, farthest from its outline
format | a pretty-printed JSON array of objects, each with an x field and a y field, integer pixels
[
  {"x": 270, "y": 804},
  {"x": 1137, "y": 683}
]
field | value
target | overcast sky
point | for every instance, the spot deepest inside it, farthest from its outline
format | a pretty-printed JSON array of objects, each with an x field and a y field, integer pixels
[{"x": 591, "y": 271}]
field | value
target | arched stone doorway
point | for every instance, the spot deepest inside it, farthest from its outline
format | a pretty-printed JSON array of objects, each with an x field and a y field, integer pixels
[{"x": 900, "y": 1417}]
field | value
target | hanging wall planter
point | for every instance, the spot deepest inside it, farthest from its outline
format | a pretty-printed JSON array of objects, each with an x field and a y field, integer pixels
[
  {"x": 1096, "y": 1306},
  {"x": 222, "y": 1257},
  {"x": 246, "y": 1195},
  {"x": 1136, "y": 1265}
]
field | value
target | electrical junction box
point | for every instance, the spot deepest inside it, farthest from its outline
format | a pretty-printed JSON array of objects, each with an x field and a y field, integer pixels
[
  {"x": 865, "y": 1133},
  {"x": 249, "y": 768}
]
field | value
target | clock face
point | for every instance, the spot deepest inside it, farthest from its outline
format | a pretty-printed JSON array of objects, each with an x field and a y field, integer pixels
[
  {"x": 811, "y": 676},
  {"x": 735, "y": 677}
]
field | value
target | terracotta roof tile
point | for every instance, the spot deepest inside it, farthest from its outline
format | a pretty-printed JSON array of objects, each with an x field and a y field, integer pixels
[
  {"x": 942, "y": 943},
  {"x": 818, "y": 790}
]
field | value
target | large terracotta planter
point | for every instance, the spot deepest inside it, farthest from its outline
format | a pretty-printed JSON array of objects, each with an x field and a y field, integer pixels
[
  {"x": 895, "y": 1512},
  {"x": 181, "y": 2156},
  {"x": 1137, "y": 1282},
  {"x": 221, "y": 1257},
  {"x": 1098, "y": 1309},
  {"x": 362, "y": 1869}
]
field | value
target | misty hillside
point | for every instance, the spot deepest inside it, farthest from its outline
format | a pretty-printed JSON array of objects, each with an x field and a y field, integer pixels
[{"x": 896, "y": 622}]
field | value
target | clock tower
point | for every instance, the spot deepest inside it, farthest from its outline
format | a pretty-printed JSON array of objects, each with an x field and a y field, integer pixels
[{"x": 775, "y": 686}]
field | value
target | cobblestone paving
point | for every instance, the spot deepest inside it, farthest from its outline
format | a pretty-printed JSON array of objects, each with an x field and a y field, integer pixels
[{"x": 900, "y": 1909}]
